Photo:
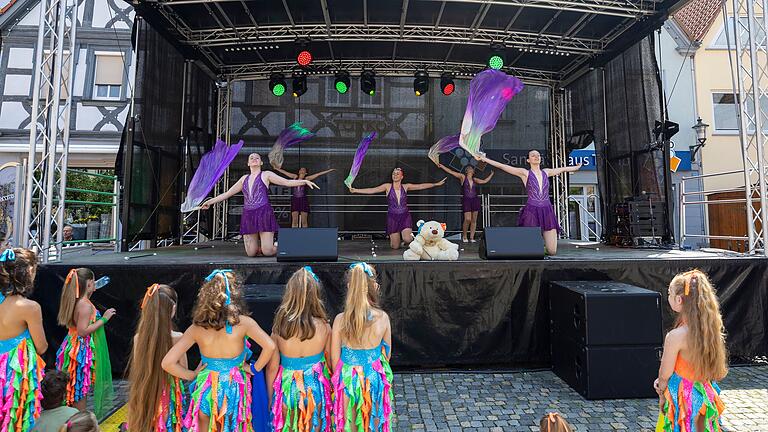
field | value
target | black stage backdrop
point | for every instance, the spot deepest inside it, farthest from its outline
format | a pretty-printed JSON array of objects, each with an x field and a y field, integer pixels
[{"x": 458, "y": 314}]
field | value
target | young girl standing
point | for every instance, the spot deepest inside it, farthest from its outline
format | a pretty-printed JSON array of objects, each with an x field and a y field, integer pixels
[
  {"x": 301, "y": 391},
  {"x": 21, "y": 340},
  {"x": 694, "y": 358},
  {"x": 221, "y": 392},
  {"x": 360, "y": 352},
  {"x": 299, "y": 199},
  {"x": 470, "y": 201},
  {"x": 156, "y": 399},
  {"x": 84, "y": 353}
]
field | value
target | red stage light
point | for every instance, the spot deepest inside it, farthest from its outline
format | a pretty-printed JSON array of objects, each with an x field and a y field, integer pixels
[
  {"x": 304, "y": 58},
  {"x": 448, "y": 89}
]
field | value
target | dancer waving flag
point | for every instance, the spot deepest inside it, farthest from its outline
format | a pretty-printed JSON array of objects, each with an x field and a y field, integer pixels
[
  {"x": 357, "y": 162},
  {"x": 290, "y": 136},
  {"x": 443, "y": 145},
  {"x": 209, "y": 171}
]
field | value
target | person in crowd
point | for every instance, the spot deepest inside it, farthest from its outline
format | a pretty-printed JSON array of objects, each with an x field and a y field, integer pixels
[
  {"x": 360, "y": 352},
  {"x": 299, "y": 199},
  {"x": 221, "y": 393},
  {"x": 694, "y": 358},
  {"x": 300, "y": 377},
  {"x": 538, "y": 211},
  {"x": 83, "y": 421},
  {"x": 66, "y": 233},
  {"x": 22, "y": 340},
  {"x": 84, "y": 353},
  {"x": 470, "y": 200},
  {"x": 55, "y": 414},
  {"x": 258, "y": 224},
  {"x": 156, "y": 399},
  {"x": 399, "y": 221}
]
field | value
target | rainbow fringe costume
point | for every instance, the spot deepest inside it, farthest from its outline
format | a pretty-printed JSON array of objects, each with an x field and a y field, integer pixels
[
  {"x": 21, "y": 371},
  {"x": 685, "y": 399},
  {"x": 222, "y": 391},
  {"x": 170, "y": 411},
  {"x": 303, "y": 386},
  {"x": 364, "y": 378}
]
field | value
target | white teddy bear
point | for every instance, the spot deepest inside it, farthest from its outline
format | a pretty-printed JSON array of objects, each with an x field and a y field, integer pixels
[{"x": 429, "y": 244}]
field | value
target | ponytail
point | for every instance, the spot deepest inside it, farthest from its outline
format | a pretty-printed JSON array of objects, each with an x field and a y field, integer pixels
[
  {"x": 75, "y": 288},
  {"x": 362, "y": 297}
]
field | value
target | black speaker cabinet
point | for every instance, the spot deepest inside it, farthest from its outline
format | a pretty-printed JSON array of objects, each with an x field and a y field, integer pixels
[
  {"x": 499, "y": 243},
  {"x": 605, "y": 313},
  {"x": 607, "y": 372},
  {"x": 307, "y": 244}
]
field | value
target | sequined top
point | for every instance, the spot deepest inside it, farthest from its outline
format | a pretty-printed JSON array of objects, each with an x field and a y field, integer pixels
[
  {"x": 537, "y": 196},
  {"x": 353, "y": 356},
  {"x": 395, "y": 206},
  {"x": 255, "y": 194},
  {"x": 7, "y": 345},
  {"x": 299, "y": 191},
  {"x": 300, "y": 363},
  {"x": 468, "y": 189}
]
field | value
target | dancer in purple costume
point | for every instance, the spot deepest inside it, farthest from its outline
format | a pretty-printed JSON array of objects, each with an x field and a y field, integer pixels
[
  {"x": 399, "y": 222},
  {"x": 299, "y": 199},
  {"x": 470, "y": 201},
  {"x": 538, "y": 211},
  {"x": 258, "y": 224}
]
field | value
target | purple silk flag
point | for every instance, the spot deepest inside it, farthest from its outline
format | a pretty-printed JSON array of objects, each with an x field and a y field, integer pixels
[
  {"x": 443, "y": 145},
  {"x": 362, "y": 148},
  {"x": 209, "y": 171},
  {"x": 292, "y": 135},
  {"x": 489, "y": 92}
]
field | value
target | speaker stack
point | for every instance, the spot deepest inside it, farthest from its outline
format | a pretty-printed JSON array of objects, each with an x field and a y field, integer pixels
[
  {"x": 501, "y": 243},
  {"x": 606, "y": 338}
]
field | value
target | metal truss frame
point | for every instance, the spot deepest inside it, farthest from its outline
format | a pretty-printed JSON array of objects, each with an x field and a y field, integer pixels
[
  {"x": 752, "y": 88},
  {"x": 46, "y": 176},
  {"x": 558, "y": 155},
  {"x": 223, "y": 121}
]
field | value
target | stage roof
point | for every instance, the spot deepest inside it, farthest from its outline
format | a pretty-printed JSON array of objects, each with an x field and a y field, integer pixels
[{"x": 546, "y": 41}]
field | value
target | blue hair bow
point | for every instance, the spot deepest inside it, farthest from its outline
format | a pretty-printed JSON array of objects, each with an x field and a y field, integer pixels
[
  {"x": 308, "y": 269},
  {"x": 364, "y": 265},
  {"x": 8, "y": 255},
  {"x": 228, "y": 301}
]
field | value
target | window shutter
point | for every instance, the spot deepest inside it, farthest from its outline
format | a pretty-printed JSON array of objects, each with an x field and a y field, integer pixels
[{"x": 109, "y": 70}]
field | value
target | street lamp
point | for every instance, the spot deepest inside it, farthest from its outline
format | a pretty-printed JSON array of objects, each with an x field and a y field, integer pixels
[{"x": 701, "y": 137}]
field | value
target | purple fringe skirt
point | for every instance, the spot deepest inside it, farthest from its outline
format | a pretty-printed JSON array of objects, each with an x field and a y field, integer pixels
[{"x": 258, "y": 220}]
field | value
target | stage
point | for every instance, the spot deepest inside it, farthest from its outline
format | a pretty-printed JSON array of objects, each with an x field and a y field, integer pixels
[{"x": 467, "y": 313}]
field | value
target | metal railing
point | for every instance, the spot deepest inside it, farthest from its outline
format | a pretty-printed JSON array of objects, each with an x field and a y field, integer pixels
[
  {"x": 594, "y": 218},
  {"x": 111, "y": 200}
]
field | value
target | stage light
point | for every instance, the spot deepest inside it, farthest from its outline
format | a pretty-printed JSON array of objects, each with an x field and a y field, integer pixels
[
  {"x": 277, "y": 84},
  {"x": 299, "y": 85},
  {"x": 446, "y": 83},
  {"x": 342, "y": 82},
  {"x": 496, "y": 57},
  {"x": 368, "y": 82},
  {"x": 420, "y": 83},
  {"x": 303, "y": 54}
]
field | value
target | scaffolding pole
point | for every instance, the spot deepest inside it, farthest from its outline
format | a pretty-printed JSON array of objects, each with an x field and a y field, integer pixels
[
  {"x": 558, "y": 157},
  {"x": 223, "y": 110},
  {"x": 46, "y": 176}
]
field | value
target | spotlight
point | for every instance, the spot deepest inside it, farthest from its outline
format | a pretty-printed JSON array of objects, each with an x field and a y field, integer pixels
[
  {"x": 446, "y": 83},
  {"x": 368, "y": 82},
  {"x": 342, "y": 82},
  {"x": 277, "y": 84},
  {"x": 299, "y": 85},
  {"x": 420, "y": 83},
  {"x": 496, "y": 56},
  {"x": 303, "y": 54}
]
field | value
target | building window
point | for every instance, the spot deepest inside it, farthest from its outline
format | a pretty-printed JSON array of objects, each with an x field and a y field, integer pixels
[
  {"x": 64, "y": 94},
  {"x": 722, "y": 39},
  {"x": 725, "y": 112},
  {"x": 108, "y": 76}
]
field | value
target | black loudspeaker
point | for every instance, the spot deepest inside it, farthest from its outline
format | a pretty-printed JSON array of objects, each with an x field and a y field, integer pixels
[
  {"x": 307, "y": 244},
  {"x": 500, "y": 243},
  {"x": 605, "y": 313},
  {"x": 262, "y": 302},
  {"x": 606, "y": 338}
]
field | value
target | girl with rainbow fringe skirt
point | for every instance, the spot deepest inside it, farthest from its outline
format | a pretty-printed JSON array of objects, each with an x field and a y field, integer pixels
[
  {"x": 299, "y": 374},
  {"x": 362, "y": 377},
  {"x": 689, "y": 397},
  {"x": 21, "y": 368},
  {"x": 84, "y": 353},
  {"x": 220, "y": 399}
]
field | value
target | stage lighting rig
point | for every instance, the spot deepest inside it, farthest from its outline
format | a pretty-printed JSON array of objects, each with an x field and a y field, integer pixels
[
  {"x": 446, "y": 83},
  {"x": 303, "y": 54},
  {"x": 496, "y": 56},
  {"x": 277, "y": 84},
  {"x": 368, "y": 82},
  {"x": 420, "y": 83},
  {"x": 342, "y": 82},
  {"x": 299, "y": 85}
]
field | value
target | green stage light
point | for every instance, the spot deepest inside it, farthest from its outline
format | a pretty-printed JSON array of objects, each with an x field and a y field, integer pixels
[
  {"x": 277, "y": 84},
  {"x": 495, "y": 62},
  {"x": 342, "y": 82}
]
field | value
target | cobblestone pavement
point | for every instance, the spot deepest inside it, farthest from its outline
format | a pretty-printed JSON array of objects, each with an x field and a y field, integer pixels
[
  {"x": 458, "y": 401},
  {"x": 515, "y": 401}
]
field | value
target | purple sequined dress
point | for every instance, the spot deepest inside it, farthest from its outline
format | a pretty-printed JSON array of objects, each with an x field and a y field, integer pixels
[
  {"x": 299, "y": 199},
  {"x": 398, "y": 215},
  {"x": 538, "y": 211},
  {"x": 470, "y": 202},
  {"x": 258, "y": 215}
]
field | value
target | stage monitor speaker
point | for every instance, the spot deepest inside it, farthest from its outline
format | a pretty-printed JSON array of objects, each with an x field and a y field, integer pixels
[
  {"x": 500, "y": 243},
  {"x": 606, "y": 372},
  {"x": 307, "y": 244},
  {"x": 605, "y": 313}
]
